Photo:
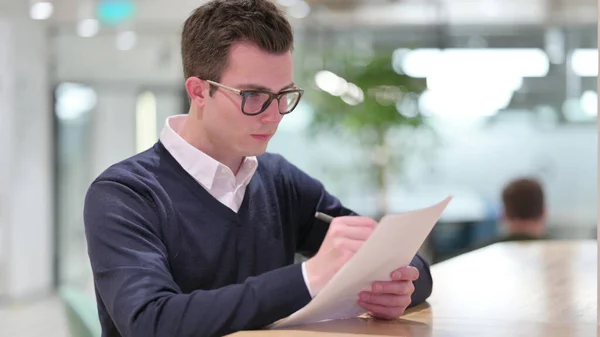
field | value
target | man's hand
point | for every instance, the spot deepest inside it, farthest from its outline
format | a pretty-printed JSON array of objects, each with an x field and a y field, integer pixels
[
  {"x": 389, "y": 299},
  {"x": 344, "y": 238}
]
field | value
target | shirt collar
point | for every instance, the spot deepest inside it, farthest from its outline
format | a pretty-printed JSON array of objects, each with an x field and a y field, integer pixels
[{"x": 198, "y": 164}]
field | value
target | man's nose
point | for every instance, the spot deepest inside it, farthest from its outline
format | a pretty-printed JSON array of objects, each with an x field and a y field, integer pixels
[{"x": 271, "y": 114}]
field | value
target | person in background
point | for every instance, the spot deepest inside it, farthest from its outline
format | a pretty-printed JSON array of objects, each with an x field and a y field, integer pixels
[
  {"x": 524, "y": 210},
  {"x": 523, "y": 216},
  {"x": 197, "y": 235}
]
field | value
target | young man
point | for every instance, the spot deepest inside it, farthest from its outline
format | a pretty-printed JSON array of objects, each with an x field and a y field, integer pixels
[
  {"x": 524, "y": 214},
  {"x": 197, "y": 235},
  {"x": 524, "y": 210}
]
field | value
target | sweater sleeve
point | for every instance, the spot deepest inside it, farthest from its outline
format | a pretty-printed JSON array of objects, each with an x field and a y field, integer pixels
[
  {"x": 131, "y": 272},
  {"x": 313, "y": 197}
]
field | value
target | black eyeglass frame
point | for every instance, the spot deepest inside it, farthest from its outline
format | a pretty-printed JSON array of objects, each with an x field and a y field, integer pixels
[{"x": 246, "y": 93}]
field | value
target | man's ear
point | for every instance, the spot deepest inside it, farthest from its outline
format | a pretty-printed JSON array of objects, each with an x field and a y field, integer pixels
[{"x": 197, "y": 90}]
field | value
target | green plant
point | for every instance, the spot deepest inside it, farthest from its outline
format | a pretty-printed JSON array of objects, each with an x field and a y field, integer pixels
[{"x": 372, "y": 107}]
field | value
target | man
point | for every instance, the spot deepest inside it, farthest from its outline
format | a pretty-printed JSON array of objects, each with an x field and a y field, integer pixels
[
  {"x": 197, "y": 235},
  {"x": 524, "y": 215},
  {"x": 524, "y": 210}
]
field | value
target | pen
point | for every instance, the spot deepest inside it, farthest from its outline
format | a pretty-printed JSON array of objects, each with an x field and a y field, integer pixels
[{"x": 324, "y": 217}]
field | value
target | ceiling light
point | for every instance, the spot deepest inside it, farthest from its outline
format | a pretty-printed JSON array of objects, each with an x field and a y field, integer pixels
[
  {"x": 589, "y": 103},
  {"x": 87, "y": 27},
  {"x": 584, "y": 62},
  {"x": 522, "y": 62},
  {"x": 41, "y": 10}
]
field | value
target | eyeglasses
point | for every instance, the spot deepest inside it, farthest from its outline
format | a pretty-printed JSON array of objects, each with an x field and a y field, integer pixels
[{"x": 255, "y": 102}]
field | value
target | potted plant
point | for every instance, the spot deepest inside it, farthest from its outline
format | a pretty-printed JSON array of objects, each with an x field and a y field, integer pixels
[{"x": 372, "y": 106}]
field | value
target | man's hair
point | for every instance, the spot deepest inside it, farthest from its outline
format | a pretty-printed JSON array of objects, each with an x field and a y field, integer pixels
[
  {"x": 213, "y": 27},
  {"x": 523, "y": 199}
]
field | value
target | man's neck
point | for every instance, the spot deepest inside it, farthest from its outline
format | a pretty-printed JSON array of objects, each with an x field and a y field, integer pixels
[
  {"x": 190, "y": 133},
  {"x": 534, "y": 228}
]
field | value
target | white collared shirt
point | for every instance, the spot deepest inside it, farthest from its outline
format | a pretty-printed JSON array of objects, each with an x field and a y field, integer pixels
[{"x": 215, "y": 177}]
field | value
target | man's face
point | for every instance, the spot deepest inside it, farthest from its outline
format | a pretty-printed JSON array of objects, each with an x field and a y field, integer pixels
[{"x": 226, "y": 127}]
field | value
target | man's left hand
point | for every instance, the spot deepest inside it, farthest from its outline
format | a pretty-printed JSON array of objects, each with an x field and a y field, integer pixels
[{"x": 389, "y": 299}]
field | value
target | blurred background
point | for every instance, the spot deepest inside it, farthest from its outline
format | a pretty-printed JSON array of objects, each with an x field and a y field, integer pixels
[{"x": 406, "y": 101}]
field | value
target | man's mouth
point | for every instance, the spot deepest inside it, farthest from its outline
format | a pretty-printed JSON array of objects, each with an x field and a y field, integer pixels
[{"x": 262, "y": 136}]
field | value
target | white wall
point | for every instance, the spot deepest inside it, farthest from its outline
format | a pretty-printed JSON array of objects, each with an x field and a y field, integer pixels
[{"x": 26, "y": 214}]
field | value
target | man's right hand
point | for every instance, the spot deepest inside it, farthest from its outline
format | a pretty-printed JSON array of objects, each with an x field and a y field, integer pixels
[{"x": 344, "y": 238}]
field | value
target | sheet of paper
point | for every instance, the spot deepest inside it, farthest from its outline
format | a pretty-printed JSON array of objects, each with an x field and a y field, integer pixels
[{"x": 392, "y": 245}]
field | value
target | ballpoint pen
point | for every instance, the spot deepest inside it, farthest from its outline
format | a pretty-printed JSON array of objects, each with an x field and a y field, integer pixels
[{"x": 324, "y": 217}]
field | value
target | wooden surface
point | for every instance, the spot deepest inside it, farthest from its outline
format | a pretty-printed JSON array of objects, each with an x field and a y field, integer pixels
[{"x": 507, "y": 289}]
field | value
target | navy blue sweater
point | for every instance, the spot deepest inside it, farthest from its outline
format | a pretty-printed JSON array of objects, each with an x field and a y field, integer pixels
[{"x": 170, "y": 260}]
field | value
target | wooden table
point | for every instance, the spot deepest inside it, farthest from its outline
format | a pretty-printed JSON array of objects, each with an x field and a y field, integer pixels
[{"x": 527, "y": 289}]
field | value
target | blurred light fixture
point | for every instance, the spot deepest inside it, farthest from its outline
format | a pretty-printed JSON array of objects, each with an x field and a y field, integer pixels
[
  {"x": 397, "y": 59},
  {"x": 408, "y": 106},
  {"x": 353, "y": 95},
  {"x": 41, "y": 10},
  {"x": 421, "y": 63},
  {"x": 299, "y": 10},
  {"x": 456, "y": 79},
  {"x": 574, "y": 110},
  {"x": 330, "y": 82},
  {"x": 126, "y": 40},
  {"x": 114, "y": 12},
  {"x": 337, "y": 86},
  {"x": 584, "y": 62},
  {"x": 74, "y": 101},
  {"x": 88, "y": 27},
  {"x": 589, "y": 103},
  {"x": 482, "y": 103},
  {"x": 470, "y": 81}
]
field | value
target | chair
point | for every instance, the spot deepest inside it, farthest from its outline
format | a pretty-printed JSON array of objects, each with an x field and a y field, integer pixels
[{"x": 82, "y": 313}]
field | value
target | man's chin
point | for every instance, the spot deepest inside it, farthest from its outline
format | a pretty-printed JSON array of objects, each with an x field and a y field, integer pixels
[{"x": 255, "y": 151}]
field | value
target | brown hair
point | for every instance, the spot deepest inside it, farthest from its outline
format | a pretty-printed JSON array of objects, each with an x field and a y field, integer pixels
[
  {"x": 213, "y": 27},
  {"x": 523, "y": 199}
]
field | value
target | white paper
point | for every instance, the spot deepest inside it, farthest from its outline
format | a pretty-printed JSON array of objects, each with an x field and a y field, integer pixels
[{"x": 393, "y": 244}]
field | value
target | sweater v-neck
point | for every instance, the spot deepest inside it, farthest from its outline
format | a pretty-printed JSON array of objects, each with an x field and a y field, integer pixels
[{"x": 198, "y": 190}]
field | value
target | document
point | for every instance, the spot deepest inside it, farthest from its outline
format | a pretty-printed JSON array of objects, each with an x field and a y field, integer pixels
[{"x": 392, "y": 245}]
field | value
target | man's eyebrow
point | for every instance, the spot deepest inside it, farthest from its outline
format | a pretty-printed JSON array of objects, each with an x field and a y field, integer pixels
[{"x": 252, "y": 86}]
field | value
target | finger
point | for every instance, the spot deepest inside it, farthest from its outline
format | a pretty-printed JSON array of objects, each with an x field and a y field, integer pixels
[
  {"x": 348, "y": 244},
  {"x": 394, "y": 287},
  {"x": 382, "y": 312},
  {"x": 386, "y": 300},
  {"x": 351, "y": 232},
  {"x": 355, "y": 221},
  {"x": 408, "y": 273}
]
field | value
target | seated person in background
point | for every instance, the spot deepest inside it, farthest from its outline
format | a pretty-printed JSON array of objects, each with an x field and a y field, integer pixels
[
  {"x": 524, "y": 210},
  {"x": 197, "y": 235},
  {"x": 524, "y": 215}
]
